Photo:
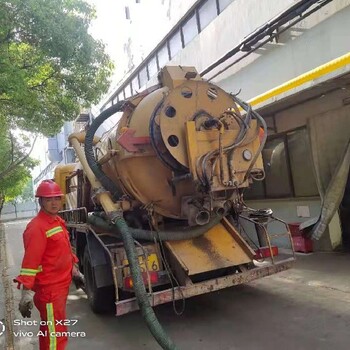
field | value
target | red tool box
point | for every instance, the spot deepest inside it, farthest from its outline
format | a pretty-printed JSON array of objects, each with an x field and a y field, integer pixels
[{"x": 301, "y": 243}]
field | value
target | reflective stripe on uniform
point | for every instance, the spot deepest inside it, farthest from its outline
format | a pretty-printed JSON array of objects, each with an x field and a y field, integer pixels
[
  {"x": 53, "y": 231},
  {"x": 51, "y": 326},
  {"x": 30, "y": 272}
]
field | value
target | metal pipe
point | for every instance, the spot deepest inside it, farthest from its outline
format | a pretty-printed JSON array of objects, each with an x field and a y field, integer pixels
[
  {"x": 304, "y": 78},
  {"x": 109, "y": 155},
  {"x": 75, "y": 140},
  {"x": 80, "y": 136},
  {"x": 102, "y": 196},
  {"x": 261, "y": 233},
  {"x": 116, "y": 217},
  {"x": 202, "y": 217},
  {"x": 170, "y": 235}
]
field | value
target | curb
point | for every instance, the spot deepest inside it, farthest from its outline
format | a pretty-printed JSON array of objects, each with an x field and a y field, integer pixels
[{"x": 7, "y": 286}]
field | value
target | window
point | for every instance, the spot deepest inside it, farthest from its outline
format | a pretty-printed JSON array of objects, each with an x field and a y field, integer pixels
[
  {"x": 127, "y": 12},
  {"x": 127, "y": 91},
  {"x": 190, "y": 29},
  {"x": 207, "y": 12},
  {"x": 288, "y": 168},
  {"x": 135, "y": 85},
  {"x": 163, "y": 56},
  {"x": 255, "y": 191},
  {"x": 223, "y": 4},
  {"x": 143, "y": 76},
  {"x": 301, "y": 164},
  {"x": 152, "y": 67},
  {"x": 277, "y": 181},
  {"x": 175, "y": 44},
  {"x": 121, "y": 96}
]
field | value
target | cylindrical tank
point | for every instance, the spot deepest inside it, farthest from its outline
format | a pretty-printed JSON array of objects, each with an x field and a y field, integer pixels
[{"x": 180, "y": 149}]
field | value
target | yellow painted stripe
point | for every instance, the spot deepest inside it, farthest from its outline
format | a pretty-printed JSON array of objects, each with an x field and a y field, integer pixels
[
  {"x": 53, "y": 231},
  {"x": 302, "y": 79},
  {"x": 29, "y": 272},
  {"x": 51, "y": 326}
]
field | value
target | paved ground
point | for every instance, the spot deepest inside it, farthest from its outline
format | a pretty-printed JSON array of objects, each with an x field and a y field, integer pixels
[{"x": 307, "y": 307}]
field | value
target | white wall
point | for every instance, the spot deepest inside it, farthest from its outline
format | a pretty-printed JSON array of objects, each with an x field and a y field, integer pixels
[
  {"x": 321, "y": 37},
  {"x": 314, "y": 41}
]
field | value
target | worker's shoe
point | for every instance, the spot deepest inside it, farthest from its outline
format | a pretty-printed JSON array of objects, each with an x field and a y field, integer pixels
[{"x": 26, "y": 303}]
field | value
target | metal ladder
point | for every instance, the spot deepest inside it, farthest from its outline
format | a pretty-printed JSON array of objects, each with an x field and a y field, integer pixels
[{"x": 261, "y": 220}]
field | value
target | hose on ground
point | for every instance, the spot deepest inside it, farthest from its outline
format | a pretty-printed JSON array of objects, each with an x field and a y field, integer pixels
[
  {"x": 139, "y": 288},
  {"x": 147, "y": 235}
]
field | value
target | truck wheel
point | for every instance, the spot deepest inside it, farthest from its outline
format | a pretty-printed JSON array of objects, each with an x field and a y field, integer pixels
[{"x": 101, "y": 299}]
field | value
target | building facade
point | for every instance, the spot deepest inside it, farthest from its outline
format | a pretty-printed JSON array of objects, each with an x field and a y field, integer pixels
[{"x": 298, "y": 51}]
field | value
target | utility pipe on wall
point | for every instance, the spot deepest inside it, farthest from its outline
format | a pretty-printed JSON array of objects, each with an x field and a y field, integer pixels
[{"x": 318, "y": 72}]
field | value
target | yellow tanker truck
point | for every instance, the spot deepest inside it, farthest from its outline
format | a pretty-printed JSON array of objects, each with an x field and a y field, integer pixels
[{"x": 155, "y": 206}]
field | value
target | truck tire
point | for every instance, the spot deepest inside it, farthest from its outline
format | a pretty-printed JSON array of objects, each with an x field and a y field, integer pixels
[{"x": 101, "y": 299}]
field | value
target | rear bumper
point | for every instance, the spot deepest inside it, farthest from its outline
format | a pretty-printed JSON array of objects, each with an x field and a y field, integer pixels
[{"x": 168, "y": 295}]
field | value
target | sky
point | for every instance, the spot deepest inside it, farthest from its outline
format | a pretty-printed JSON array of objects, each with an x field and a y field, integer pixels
[
  {"x": 109, "y": 12},
  {"x": 112, "y": 27}
]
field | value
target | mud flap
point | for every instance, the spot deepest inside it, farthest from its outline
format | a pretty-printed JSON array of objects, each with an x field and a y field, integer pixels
[{"x": 100, "y": 262}]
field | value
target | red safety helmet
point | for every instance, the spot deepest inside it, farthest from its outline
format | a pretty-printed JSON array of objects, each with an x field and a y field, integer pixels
[{"x": 48, "y": 188}]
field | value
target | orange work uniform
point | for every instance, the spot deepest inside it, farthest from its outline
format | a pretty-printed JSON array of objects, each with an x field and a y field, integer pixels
[{"x": 47, "y": 269}]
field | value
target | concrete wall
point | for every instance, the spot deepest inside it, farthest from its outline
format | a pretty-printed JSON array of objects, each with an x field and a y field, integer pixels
[
  {"x": 238, "y": 20},
  {"x": 19, "y": 211},
  {"x": 314, "y": 41},
  {"x": 297, "y": 115},
  {"x": 291, "y": 118},
  {"x": 287, "y": 210}
]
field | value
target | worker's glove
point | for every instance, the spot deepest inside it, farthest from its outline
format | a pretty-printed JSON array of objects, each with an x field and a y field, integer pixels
[
  {"x": 78, "y": 279},
  {"x": 26, "y": 303}
]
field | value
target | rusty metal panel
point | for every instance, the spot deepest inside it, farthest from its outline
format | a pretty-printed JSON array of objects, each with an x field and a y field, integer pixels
[
  {"x": 214, "y": 250},
  {"x": 165, "y": 296},
  {"x": 204, "y": 141},
  {"x": 172, "y": 76},
  {"x": 186, "y": 110}
]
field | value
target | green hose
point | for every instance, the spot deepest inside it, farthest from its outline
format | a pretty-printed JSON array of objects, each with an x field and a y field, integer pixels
[
  {"x": 139, "y": 288},
  {"x": 170, "y": 235},
  {"x": 106, "y": 182}
]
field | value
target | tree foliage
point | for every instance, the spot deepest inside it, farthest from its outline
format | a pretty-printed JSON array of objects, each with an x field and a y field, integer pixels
[
  {"x": 50, "y": 65},
  {"x": 13, "y": 178}
]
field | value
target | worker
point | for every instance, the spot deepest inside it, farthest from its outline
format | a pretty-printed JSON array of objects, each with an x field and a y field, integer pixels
[{"x": 48, "y": 268}]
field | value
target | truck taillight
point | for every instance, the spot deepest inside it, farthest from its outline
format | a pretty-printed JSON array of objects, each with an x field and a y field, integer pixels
[{"x": 153, "y": 275}]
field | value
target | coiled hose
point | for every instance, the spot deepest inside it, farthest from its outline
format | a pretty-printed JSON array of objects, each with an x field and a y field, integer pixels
[
  {"x": 106, "y": 182},
  {"x": 170, "y": 235},
  {"x": 139, "y": 288}
]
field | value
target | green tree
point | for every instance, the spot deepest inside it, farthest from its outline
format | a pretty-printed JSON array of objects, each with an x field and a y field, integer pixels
[
  {"x": 50, "y": 67},
  {"x": 27, "y": 193},
  {"x": 15, "y": 164}
]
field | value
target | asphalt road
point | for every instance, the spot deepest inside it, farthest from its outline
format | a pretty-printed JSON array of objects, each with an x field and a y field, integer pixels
[{"x": 304, "y": 308}]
